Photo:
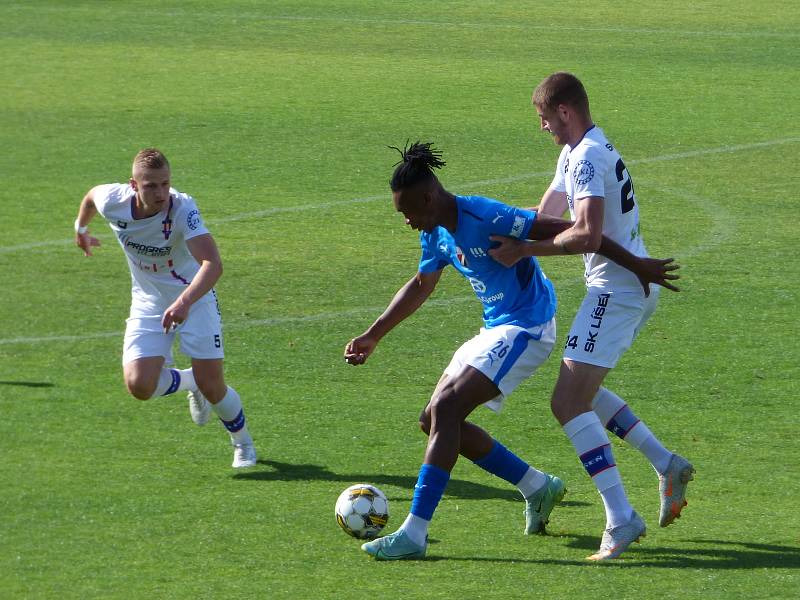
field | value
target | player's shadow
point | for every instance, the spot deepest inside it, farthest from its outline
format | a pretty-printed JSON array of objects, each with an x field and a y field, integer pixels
[
  {"x": 281, "y": 471},
  {"x": 30, "y": 384},
  {"x": 715, "y": 554}
]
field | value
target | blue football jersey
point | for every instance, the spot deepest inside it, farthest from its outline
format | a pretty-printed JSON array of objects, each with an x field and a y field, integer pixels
[{"x": 521, "y": 295}]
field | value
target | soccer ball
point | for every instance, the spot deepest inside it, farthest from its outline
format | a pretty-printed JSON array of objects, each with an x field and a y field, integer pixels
[{"x": 362, "y": 510}]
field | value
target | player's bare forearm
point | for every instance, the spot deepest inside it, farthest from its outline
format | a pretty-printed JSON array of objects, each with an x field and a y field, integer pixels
[
  {"x": 86, "y": 212},
  {"x": 647, "y": 270},
  {"x": 546, "y": 227},
  {"x": 202, "y": 283},
  {"x": 404, "y": 304}
]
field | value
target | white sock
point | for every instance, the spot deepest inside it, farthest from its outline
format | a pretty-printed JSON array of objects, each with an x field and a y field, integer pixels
[
  {"x": 174, "y": 380},
  {"x": 617, "y": 417},
  {"x": 230, "y": 412},
  {"x": 591, "y": 443},
  {"x": 531, "y": 482},
  {"x": 416, "y": 528}
]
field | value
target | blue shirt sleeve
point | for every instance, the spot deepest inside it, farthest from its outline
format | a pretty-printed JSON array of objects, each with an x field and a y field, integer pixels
[
  {"x": 511, "y": 221},
  {"x": 430, "y": 261}
]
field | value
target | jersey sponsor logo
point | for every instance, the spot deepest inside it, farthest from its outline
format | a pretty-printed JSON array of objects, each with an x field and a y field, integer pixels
[
  {"x": 146, "y": 249},
  {"x": 493, "y": 298},
  {"x": 583, "y": 172},
  {"x": 477, "y": 285},
  {"x": 517, "y": 227},
  {"x": 193, "y": 219},
  {"x": 596, "y": 321}
]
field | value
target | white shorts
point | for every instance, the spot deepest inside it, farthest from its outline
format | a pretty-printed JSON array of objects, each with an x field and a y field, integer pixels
[
  {"x": 506, "y": 354},
  {"x": 606, "y": 325},
  {"x": 200, "y": 335}
]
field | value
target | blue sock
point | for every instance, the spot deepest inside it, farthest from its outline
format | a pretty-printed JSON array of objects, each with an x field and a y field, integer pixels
[
  {"x": 428, "y": 492},
  {"x": 505, "y": 464}
]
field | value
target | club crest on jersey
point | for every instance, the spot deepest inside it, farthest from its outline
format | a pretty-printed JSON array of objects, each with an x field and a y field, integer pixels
[
  {"x": 193, "y": 219},
  {"x": 583, "y": 172},
  {"x": 461, "y": 257},
  {"x": 167, "y": 230}
]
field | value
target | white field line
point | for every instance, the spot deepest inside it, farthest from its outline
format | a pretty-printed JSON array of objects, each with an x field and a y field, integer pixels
[
  {"x": 722, "y": 228},
  {"x": 484, "y": 182},
  {"x": 217, "y": 17},
  {"x": 723, "y": 224},
  {"x": 271, "y": 322}
]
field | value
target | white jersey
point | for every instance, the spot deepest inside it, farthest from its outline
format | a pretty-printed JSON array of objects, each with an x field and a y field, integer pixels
[
  {"x": 160, "y": 262},
  {"x": 594, "y": 168}
]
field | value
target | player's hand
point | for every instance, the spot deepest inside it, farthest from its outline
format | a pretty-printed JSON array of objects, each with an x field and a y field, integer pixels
[
  {"x": 175, "y": 315},
  {"x": 658, "y": 271},
  {"x": 506, "y": 250},
  {"x": 86, "y": 242},
  {"x": 358, "y": 349}
]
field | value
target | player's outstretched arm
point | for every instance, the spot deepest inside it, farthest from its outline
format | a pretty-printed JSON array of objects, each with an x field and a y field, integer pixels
[
  {"x": 547, "y": 231},
  {"x": 86, "y": 213},
  {"x": 647, "y": 270},
  {"x": 204, "y": 250},
  {"x": 404, "y": 303}
]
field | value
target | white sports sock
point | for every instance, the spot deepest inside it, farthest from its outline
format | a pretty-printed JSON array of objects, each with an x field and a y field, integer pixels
[
  {"x": 631, "y": 429},
  {"x": 416, "y": 528},
  {"x": 174, "y": 380},
  {"x": 230, "y": 412},
  {"x": 591, "y": 443},
  {"x": 531, "y": 482}
]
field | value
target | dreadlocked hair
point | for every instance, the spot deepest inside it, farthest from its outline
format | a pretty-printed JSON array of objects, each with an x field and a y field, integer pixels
[{"x": 417, "y": 164}]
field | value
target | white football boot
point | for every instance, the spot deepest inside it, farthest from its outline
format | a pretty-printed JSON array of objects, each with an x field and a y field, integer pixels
[{"x": 199, "y": 407}]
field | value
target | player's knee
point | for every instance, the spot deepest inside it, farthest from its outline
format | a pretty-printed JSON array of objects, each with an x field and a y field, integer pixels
[
  {"x": 446, "y": 406},
  {"x": 140, "y": 387},
  {"x": 214, "y": 389},
  {"x": 425, "y": 423}
]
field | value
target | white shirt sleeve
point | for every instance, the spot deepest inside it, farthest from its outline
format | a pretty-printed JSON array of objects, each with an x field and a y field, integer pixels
[
  {"x": 188, "y": 219},
  {"x": 105, "y": 196},
  {"x": 588, "y": 172},
  {"x": 558, "y": 180}
]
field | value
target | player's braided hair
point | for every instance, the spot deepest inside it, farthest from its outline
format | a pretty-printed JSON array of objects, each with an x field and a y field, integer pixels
[{"x": 417, "y": 164}]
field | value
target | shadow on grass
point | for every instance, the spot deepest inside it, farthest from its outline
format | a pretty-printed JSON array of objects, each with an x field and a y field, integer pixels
[
  {"x": 717, "y": 554},
  {"x": 30, "y": 384},
  {"x": 456, "y": 488}
]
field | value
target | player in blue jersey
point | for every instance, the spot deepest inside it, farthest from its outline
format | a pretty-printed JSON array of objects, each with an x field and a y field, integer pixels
[{"x": 518, "y": 335}]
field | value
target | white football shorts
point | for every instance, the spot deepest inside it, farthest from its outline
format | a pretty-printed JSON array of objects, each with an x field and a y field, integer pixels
[
  {"x": 200, "y": 335},
  {"x": 506, "y": 354},
  {"x": 606, "y": 325}
]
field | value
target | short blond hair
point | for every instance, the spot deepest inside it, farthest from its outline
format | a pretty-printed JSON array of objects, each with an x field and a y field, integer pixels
[{"x": 150, "y": 158}]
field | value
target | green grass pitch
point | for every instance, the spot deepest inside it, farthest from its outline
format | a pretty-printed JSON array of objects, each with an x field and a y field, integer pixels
[{"x": 276, "y": 116}]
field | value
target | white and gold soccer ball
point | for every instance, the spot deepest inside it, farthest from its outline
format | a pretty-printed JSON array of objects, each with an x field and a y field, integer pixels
[{"x": 362, "y": 510}]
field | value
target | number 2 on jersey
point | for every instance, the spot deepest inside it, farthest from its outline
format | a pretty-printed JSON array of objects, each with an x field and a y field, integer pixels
[{"x": 626, "y": 194}]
